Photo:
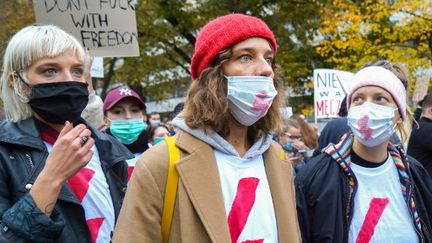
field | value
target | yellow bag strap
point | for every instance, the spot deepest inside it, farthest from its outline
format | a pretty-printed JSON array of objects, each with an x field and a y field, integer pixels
[
  {"x": 170, "y": 188},
  {"x": 282, "y": 155}
]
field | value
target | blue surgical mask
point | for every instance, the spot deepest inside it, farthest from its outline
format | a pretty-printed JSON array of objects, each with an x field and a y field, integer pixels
[
  {"x": 127, "y": 131},
  {"x": 250, "y": 97},
  {"x": 288, "y": 146}
]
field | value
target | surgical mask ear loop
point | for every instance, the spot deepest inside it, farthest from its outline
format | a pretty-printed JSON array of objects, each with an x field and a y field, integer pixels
[
  {"x": 18, "y": 89},
  {"x": 21, "y": 78}
]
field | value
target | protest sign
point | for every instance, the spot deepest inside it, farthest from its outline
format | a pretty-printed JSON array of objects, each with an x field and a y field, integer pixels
[
  {"x": 106, "y": 27},
  {"x": 330, "y": 87},
  {"x": 421, "y": 88},
  {"x": 287, "y": 112},
  {"x": 97, "y": 69}
]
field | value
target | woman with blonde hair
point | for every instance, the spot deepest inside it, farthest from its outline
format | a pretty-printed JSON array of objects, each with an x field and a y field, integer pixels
[
  {"x": 366, "y": 189},
  {"x": 60, "y": 179},
  {"x": 291, "y": 140},
  {"x": 233, "y": 185}
]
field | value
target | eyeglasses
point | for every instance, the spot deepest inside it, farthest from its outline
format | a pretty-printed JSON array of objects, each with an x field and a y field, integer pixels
[{"x": 292, "y": 136}]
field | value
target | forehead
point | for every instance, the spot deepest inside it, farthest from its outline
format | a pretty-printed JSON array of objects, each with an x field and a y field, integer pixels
[
  {"x": 293, "y": 130},
  {"x": 159, "y": 130},
  {"x": 371, "y": 90},
  {"x": 254, "y": 43}
]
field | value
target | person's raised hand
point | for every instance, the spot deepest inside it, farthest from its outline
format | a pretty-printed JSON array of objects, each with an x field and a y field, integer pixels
[{"x": 70, "y": 153}]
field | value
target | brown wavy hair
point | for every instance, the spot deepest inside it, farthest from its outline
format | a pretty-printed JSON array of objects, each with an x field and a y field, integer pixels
[
  {"x": 309, "y": 135},
  {"x": 206, "y": 104}
]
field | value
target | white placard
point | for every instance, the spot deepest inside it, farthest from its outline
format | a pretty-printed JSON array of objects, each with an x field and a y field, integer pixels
[
  {"x": 330, "y": 87},
  {"x": 287, "y": 112},
  {"x": 97, "y": 68},
  {"x": 106, "y": 27}
]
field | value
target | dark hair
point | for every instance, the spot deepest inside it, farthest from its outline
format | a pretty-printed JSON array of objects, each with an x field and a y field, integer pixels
[
  {"x": 343, "y": 110},
  {"x": 177, "y": 109},
  {"x": 153, "y": 129},
  {"x": 427, "y": 101}
]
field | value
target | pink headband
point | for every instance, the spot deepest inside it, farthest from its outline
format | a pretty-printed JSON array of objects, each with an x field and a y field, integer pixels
[{"x": 383, "y": 78}]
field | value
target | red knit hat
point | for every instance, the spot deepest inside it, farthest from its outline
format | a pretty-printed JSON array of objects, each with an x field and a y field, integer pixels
[{"x": 224, "y": 32}]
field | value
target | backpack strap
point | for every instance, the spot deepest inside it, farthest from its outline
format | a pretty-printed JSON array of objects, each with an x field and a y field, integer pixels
[
  {"x": 170, "y": 188},
  {"x": 282, "y": 155}
]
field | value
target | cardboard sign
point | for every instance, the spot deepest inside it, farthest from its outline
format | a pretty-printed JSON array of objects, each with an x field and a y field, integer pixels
[
  {"x": 330, "y": 87},
  {"x": 106, "y": 27},
  {"x": 421, "y": 88}
]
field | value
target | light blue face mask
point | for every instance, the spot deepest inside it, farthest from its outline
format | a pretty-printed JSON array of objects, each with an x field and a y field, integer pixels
[
  {"x": 157, "y": 140},
  {"x": 250, "y": 97},
  {"x": 127, "y": 131}
]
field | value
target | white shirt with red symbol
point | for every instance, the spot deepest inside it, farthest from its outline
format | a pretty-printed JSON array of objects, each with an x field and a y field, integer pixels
[
  {"x": 131, "y": 164},
  {"x": 91, "y": 189},
  {"x": 380, "y": 211},
  {"x": 247, "y": 198}
]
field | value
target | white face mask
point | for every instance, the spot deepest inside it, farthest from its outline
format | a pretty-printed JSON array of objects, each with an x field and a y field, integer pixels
[
  {"x": 371, "y": 124},
  {"x": 250, "y": 97}
]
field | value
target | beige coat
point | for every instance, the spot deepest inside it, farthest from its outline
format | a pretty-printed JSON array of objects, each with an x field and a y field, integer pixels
[{"x": 199, "y": 213}]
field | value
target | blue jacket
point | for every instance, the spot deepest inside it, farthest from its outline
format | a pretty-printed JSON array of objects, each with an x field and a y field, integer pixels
[
  {"x": 326, "y": 186},
  {"x": 22, "y": 157}
]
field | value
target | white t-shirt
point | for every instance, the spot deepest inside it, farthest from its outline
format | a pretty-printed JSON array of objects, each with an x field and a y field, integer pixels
[
  {"x": 380, "y": 211},
  {"x": 92, "y": 191},
  {"x": 247, "y": 198},
  {"x": 131, "y": 164}
]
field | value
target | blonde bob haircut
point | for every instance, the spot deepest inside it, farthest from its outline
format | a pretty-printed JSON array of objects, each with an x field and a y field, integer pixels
[
  {"x": 206, "y": 104},
  {"x": 27, "y": 46}
]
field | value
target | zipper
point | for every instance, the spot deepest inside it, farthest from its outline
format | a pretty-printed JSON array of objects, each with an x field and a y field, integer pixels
[{"x": 30, "y": 161}]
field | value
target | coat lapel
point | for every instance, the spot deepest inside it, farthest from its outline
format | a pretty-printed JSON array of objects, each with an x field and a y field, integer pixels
[
  {"x": 280, "y": 178},
  {"x": 199, "y": 174}
]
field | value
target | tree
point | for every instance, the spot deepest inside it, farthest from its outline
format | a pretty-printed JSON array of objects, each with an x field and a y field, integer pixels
[
  {"x": 15, "y": 15},
  {"x": 356, "y": 32}
]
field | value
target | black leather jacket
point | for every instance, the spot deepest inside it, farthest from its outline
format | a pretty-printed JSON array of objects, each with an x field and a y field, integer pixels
[{"x": 22, "y": 157}]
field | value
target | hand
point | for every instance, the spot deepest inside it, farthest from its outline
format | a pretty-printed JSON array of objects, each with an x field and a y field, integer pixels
[
  {"x": 68, "y": 155},
  {"x": 295, "y": 160},
  {"x": 66, "y": 158},
  {"x": 298, "y": 144}
]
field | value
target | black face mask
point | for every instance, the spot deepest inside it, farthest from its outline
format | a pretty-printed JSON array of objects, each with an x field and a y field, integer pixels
[{"x": 59, "y": 102}]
